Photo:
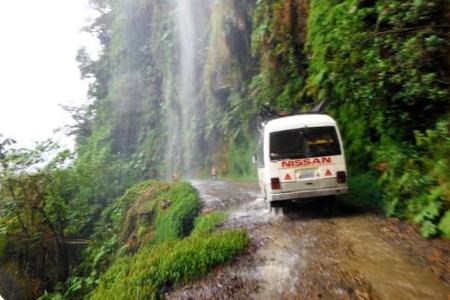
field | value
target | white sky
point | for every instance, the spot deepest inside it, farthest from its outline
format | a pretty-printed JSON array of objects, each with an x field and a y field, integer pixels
[{"x": 38, "y": 44}]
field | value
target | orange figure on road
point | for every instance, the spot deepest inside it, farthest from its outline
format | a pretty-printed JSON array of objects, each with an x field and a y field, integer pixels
[
  {"x": 214, "y": 173},
  {"x": 175, "y": 176}
]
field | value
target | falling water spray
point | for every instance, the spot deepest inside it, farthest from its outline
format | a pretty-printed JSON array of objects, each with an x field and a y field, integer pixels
[{"x": 182, "y": 146}]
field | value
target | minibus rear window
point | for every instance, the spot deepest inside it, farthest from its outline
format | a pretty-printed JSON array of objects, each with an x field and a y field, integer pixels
[{"x": 304, "y": 142}]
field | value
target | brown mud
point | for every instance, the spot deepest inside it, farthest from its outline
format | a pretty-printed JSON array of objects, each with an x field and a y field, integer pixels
[{"x": 305, "y": 252}]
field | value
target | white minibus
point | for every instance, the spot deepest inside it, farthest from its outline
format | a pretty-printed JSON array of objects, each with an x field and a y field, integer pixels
[{"x": 300, "y": 156}]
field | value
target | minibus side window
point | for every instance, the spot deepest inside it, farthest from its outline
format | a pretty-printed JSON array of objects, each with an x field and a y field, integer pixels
[{"x": 304, "y": 142}]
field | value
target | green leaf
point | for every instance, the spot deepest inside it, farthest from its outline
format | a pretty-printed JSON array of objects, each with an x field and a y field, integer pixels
[{"x": 444, "y": 224}]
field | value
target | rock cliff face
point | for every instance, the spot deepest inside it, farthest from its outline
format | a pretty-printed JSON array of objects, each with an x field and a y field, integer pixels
[
  {"x": 214, "y": 67},
  {"x": 169, "y": 80}
]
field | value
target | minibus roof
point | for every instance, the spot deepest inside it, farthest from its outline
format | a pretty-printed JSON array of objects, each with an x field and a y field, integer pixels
[{"x": 298, "y": 121}]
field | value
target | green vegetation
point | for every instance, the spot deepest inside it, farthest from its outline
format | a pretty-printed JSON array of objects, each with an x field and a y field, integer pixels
[
  {"x": 420, "y": 174},
  {"x": 176, "y": 222},
  {"x": 37, "y": 208},
  {"x": 207, "y": 223},
  {"x": 149, "y": 272},
  {"x": 278, "y": 39}
]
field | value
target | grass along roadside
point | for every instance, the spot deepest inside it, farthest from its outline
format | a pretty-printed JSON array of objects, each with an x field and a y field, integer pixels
[{"x": 154, "y": 269}]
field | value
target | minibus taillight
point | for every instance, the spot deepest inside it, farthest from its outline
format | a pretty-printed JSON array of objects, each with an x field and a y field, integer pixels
[
  {"x": 341, "y": 177},
  {"x": 275, "y": 183}
]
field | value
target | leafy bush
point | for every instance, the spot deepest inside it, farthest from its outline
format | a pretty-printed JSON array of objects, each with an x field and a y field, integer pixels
[
  {"x": 416, "y": 182},
  {"x": 116, "y": 224},
  {"x": 444, "y": 224}
]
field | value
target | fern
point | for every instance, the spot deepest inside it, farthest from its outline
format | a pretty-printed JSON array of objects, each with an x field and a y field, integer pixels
[
  {"x": 428, "y": 229},
  {"x": 444, "y": 224}
]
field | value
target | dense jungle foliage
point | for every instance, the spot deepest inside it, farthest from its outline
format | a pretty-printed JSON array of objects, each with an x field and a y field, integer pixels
[{"x": 383, "y": 66}]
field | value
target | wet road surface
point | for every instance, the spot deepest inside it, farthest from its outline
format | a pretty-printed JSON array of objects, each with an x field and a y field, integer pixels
[{"x": 304, "y": 252}]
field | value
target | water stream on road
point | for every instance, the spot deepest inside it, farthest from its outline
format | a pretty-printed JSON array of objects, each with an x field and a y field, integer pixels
[{"x": 306, "y": 254}]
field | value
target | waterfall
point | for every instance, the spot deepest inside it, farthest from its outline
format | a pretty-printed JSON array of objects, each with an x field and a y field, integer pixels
[{"x": 183, "y": 111}]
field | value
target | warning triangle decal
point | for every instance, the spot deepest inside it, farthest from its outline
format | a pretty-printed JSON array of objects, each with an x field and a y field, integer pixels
[
  {"x": 328, "y": 173},
  {"x": 287, "y": 177}
]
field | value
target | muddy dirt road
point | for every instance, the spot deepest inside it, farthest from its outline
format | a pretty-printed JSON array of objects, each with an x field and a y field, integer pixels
[{"x": 303, "y": 252}]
